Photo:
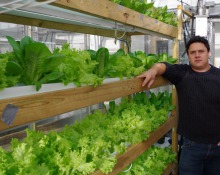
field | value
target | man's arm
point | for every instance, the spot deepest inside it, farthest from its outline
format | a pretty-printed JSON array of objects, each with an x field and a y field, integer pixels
[{"x": 149, "y": 75}]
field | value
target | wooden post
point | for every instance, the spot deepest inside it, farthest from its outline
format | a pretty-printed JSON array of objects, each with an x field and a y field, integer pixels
[
  {"x": 180, "y": 24},
  {"x": 174, "y": 93},
  {"x": 174, "y": 129}
]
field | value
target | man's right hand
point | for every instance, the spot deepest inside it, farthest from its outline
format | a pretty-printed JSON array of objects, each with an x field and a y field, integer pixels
[{"x": 149, "y": 75}]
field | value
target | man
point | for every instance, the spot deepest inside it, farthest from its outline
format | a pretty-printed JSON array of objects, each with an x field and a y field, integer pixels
[{"x": 198, "y": 90}]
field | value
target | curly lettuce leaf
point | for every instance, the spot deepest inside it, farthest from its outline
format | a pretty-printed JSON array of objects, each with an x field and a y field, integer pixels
[{"x": 78, "y": 67}]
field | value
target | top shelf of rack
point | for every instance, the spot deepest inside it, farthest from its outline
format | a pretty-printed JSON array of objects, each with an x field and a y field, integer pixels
[{"x": 99, "y": 17}]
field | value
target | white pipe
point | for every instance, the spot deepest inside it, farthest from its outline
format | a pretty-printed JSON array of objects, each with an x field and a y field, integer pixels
[
  {"x": 9, "y": 3},
  {"x": 40, "y": 3},
  {"x": 16, "y": 6}
]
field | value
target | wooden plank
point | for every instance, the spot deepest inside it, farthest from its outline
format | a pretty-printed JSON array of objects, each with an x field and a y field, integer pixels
[
  {"x": 44, "y": 105},
  {"x": 180, "y": 22},
  {"x": 188, "y": 13},
  {"x": 138, "y": 148},
  {"x": 174, "y": 129},
  {"x": 6, "y": 140},
  {"x": 175, "y": 49},
  {"x": 175, "y": 101},
  {"x": 135, "y": 151},
  {"x": 47, "y": 127},
  {"x": 57, "y": 25},
  {"x": 170, "y": 168},
  {"x": 112, "y": 11},
  {"x": 175, "y": 113}
]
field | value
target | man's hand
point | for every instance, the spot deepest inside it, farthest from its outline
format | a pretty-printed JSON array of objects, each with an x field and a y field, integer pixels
[
  {"x": 218, "y": 144},
  {"x": 149, "y": 77}
]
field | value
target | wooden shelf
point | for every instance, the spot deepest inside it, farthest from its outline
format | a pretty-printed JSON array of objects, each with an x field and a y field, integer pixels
[
  {"x": 41, "y": 106},
  {"x": 169, "y": 169},
  {"x": 56, "y": 25},
  {"x": 122, "y": 160},
  {"x": 135, "y": 151},
  {"x": 104, "y": 10},
  {"x": 44, "y": 105},
  {"x": 20, "y": 134},
  {"x": 112, "y": 11}
]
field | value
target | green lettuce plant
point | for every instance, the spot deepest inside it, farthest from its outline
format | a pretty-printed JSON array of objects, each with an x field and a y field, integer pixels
[
  {"x": 148, "y": 9},
  {"x": 34, "y": 62},
  {"x": 9, "y": 71}
]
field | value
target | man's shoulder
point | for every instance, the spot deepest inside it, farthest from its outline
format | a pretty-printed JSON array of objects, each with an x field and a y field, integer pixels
[{"x": 215, "y": 69}]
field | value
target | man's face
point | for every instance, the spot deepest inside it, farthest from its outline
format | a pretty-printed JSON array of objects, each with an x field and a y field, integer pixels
[{"x": 198, "y": 57}]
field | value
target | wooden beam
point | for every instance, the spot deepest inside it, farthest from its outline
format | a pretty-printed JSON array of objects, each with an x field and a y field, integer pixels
[
  {"x": 174, "y": 129},
  {"x": 57, "y": 125},
  {"x": 180, "y": 22},
  {"x": 169, "y": 169},
  {"x": 44, "y": 105},
  {"x": 112, "y": 11},
  {"x": 175, "y": 49},
  {"x": 187, "y": 12},
  {"x": 123, "y": 160},
  {"x": 57, "y": 25},
  {"x": 135, "y": 151}
]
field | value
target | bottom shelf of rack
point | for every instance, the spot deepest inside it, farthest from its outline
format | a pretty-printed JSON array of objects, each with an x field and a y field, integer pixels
[{"x": 136, "y": 150}]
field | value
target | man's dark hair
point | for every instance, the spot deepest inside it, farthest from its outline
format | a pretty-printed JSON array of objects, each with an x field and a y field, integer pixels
[{"x": 197, "y": 39}]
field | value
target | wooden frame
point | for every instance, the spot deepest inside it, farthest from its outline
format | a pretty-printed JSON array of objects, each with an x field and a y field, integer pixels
[
  {"x": 128, "y": 157},
  {"x": 49, "y": 104},
  {"x": 45, "y": 105}
]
